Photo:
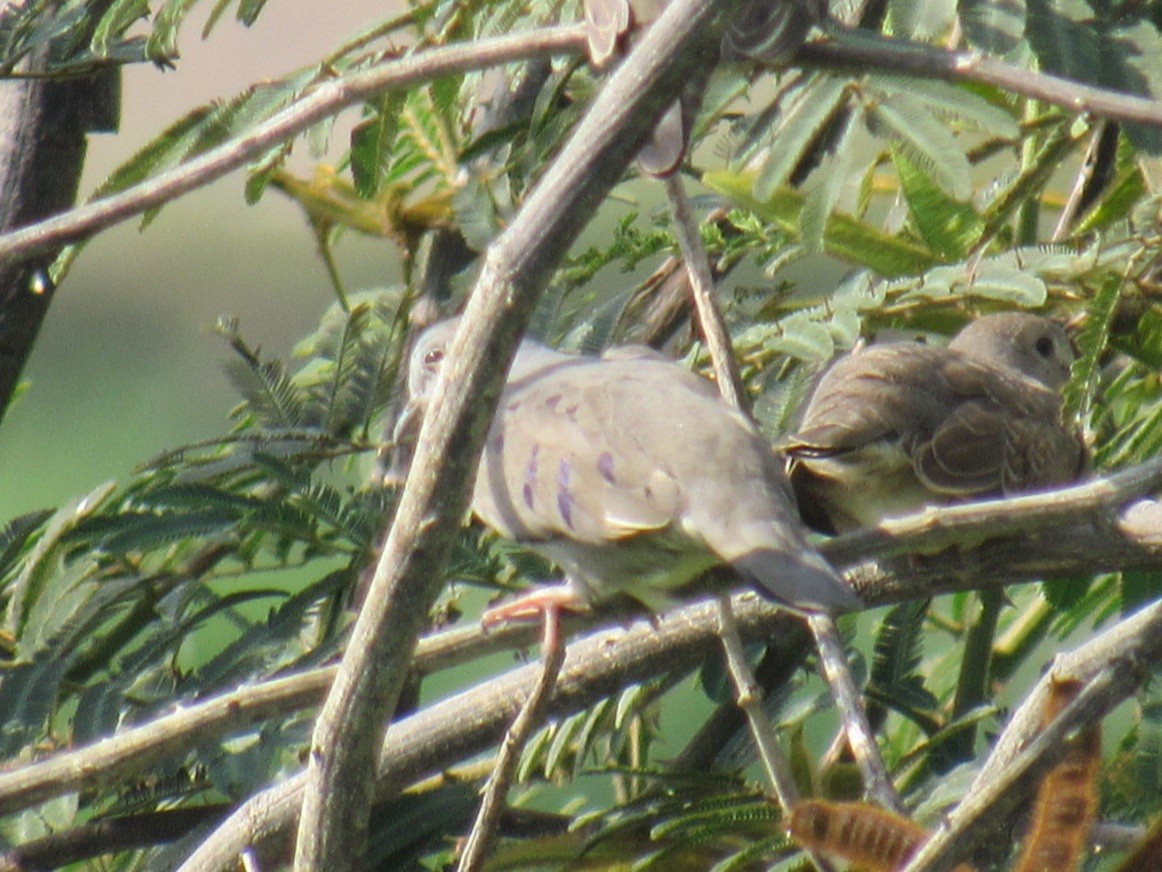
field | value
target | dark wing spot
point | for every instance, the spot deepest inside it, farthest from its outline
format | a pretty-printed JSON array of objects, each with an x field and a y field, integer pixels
[
  {"x": 531, "y": 477},
  {"x": 564, "y": 495},
  {"x": 553, "y": 401},
  {"x": 605, "y": 467}
]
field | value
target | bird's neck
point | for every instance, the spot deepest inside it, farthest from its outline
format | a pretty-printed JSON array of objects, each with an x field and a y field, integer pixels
[{"x": 532, "y": 357}]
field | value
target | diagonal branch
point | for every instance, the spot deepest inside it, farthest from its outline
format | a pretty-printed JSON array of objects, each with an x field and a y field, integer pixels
[
  {"x": 321, "y": 102},
  {"x": 863, "y": 52},
  {"x": 1114, "y": 665},
  {"x": 333, "y": 827}
]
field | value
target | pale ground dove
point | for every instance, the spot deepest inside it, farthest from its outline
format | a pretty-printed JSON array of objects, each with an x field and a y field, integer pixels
[
  {"x": 894, "y": 427},
  {"x": 634, "y": 477}
]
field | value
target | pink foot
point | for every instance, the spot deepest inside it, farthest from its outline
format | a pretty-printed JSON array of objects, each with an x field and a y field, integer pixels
[{"x": 534, "y": 606}]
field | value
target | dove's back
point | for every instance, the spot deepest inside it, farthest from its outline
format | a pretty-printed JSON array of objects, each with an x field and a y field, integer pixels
[
  {"x": 632, "y": 474},
  {"x": 898, "y": 426}
]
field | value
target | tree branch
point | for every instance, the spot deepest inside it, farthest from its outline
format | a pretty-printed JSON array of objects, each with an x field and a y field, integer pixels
[
  {"x": 1048, "y": 551},
  {"x": 43, "y": 130},
  {"x": 332, "y": 830},
  {"x": 321, "y": 102},
  {"x": 863, "y": 52},
  {"x": 1114, "y": 665}
]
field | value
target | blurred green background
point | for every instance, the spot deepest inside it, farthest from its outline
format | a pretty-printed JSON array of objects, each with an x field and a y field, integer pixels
[{"x": 128, "y": 363}]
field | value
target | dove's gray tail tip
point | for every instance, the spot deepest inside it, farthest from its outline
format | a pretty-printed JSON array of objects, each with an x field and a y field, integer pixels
[{"x": 803, "y": 580}]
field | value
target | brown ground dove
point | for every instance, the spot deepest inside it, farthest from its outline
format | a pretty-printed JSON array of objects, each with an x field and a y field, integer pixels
[
  {"x": 633, "y": 476},
  {"x": 894, "y": 427}
]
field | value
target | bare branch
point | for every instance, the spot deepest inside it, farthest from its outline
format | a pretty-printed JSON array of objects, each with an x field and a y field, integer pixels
[
  {"x": 865, "y": 53},
  {"x": 849, "y": 701},
  {"x": 942, "y": 526},
  {"x": 1113, "y": 665},
  {"x": 473, "y": 720},
  {"x": 332, "y": 831},
  {"x": 483, "y": 832},
  {"x": 323, "y": 101},
  {"x": 1050, "y": 551}
]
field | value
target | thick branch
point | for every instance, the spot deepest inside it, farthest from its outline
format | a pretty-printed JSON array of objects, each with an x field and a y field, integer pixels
[
  {"x": 332, "y": 831},
  {"x": 1113, "y": 665},
  {"x": 43, "y": 127},
  {"x": 1044, "y": 552}
]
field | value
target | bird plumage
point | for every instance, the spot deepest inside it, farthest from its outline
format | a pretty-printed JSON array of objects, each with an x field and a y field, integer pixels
[
  {"x": 893, "y": 427},
  {"x": 631, "y": 474}
]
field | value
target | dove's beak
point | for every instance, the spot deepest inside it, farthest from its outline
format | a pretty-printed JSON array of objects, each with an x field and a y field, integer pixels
[{"x": 403, "y": 442}]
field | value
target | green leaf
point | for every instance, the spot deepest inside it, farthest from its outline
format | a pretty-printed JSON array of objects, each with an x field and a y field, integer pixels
[
  {"x": 163, "y": 41},
  {"x": 1079, "y": 393},
  {"x": 28, "y": 695},
  {"x": 993, "y": 27},
  {"x": 846, "y": 237},
  {"x": 950, "y": 227},
  {"x": 951, "y": 102},
  {"x": 1132, "y": 64},
  {"x": 44, "y": 560},
  {"x": 895, "y": 670},
  {"x": 113, "y": 24},
  {"x": 829, "y": 184},
  {"x": 371, "y": 143},
  {"x": 925, "y": 139},
  {"x": 798, "y": 128},
  {"x": 1064, "y": 37},
  {"x": 995, "y": 281},
  {"x": 15, "y": 536}
]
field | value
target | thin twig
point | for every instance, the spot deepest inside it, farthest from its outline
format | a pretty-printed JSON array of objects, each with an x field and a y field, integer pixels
[
  {"x": 746, "y": 687},
  {"x": 861, "y": 739},
  {"x": 710, "y": 320},
  {"x": 836, "y": 670},
  {"x": 492, "y": 805},
  {"x": 883, "y": 54},
  {"x": 748, "y": 698},
  {"x": 321, "y": 102},
  {"x": 713, "y": 328},
  {"x": 1084, "y": 174}
]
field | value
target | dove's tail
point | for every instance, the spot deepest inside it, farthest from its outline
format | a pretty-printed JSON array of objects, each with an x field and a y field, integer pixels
[{"x": 800, "y": 579}]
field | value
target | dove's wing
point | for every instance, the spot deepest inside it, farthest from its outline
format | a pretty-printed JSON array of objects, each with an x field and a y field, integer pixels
[
  {"x": 894, "y": 427},
  {"x": 556, "y": 464},
  {"x": 598, "y": 456},
  {"x": 1003, "y": 434}
]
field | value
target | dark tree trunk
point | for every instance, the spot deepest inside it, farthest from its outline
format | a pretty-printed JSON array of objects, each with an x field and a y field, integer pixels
[{"x": 43, "y": 124}]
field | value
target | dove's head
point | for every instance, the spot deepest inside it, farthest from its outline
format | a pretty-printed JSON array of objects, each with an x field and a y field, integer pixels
[
  {"x": 424, "y": 366},
  {"x": 432, "y": 346},
  {"x": 427, "y": 356},
  {"x": 1034, "y": 346}
]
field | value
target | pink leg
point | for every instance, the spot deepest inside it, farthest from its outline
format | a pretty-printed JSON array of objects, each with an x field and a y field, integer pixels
[{"x": 535, "y": 605}]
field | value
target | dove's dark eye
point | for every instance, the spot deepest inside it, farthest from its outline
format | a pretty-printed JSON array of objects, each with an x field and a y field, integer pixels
[
  {"x": 433, "y": 357},
  {"x": 1044, "y": 346}
]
